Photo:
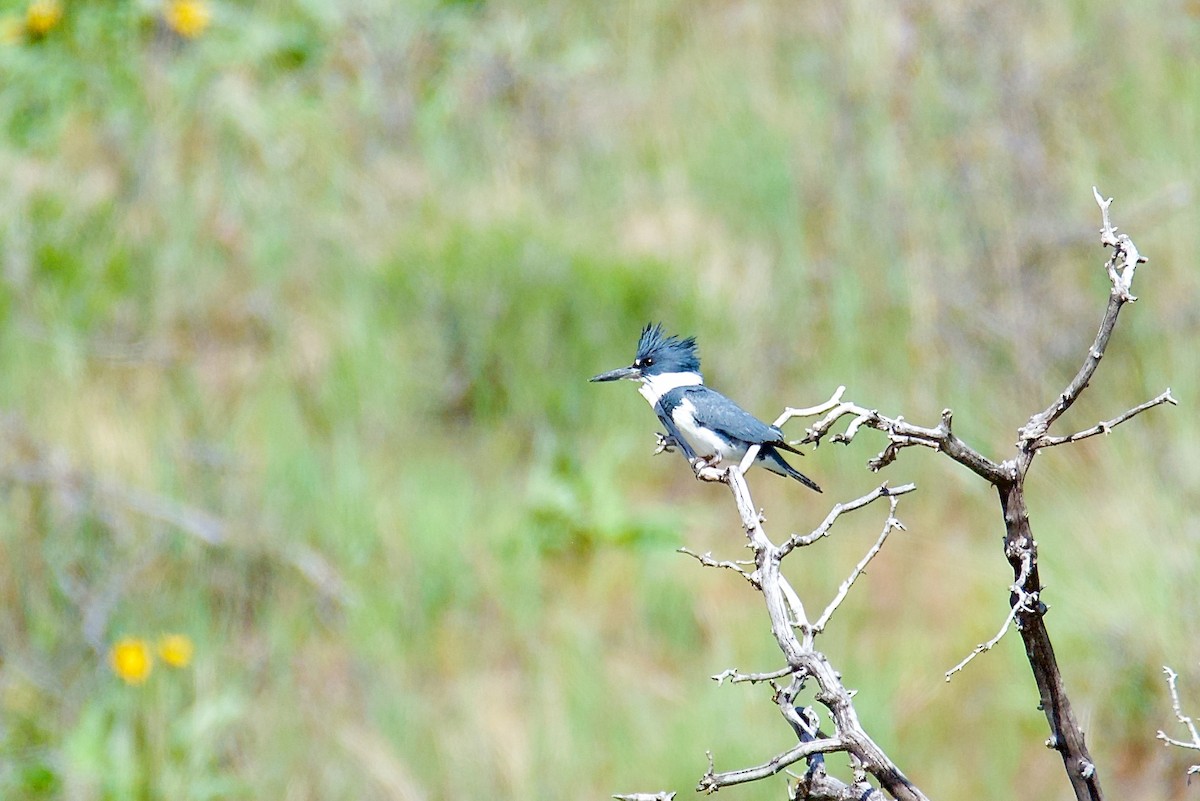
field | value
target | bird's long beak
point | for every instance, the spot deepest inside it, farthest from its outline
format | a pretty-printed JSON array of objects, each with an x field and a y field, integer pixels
[{"x": 618, "y": 374}]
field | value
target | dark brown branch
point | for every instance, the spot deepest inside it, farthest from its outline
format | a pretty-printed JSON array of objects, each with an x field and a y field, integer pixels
[
  {"x": 1020, "y": 548},
  {"x": 1066, "y": 736},
  {"x": 1040, "y": 423}
]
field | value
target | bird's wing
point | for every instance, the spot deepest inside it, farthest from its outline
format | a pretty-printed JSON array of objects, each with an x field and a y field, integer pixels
[
  {"x": 714, "y": 410},
  {"x": 673, "y": 432}
]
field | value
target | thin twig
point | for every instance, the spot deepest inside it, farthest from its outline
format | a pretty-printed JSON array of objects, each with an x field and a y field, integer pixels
[
  {"x": 1022, "y": 603},
  {"x": 748, "y": 459},
  {"x": 902, "y": 434},
  {"x": 811, "y": 411},
  {"x": 734, "y": 677},
  {"x": 1107, "y": 425},
  {"x": 1125, "y": 253},
  {"x": 985, "y": 646},
  {"x": 711, "y": 782},
  {"x": 888, "y": 525},
  {"x": 707, "y": 560},
  {"x": 882, "y": 491},
  {"x": 1187, "y": 722}
]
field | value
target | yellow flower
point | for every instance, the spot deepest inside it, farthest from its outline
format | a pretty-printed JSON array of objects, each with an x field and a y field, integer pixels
[
  {"x": 131, "y": 660},
  {"x": 176, "y": 650},
  {"x": 188, "y": 18},
  {"x": 42, "y": 16}
]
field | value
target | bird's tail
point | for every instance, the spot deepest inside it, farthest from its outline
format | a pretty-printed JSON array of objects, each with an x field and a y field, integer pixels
[{"x": 776, "y": 464}]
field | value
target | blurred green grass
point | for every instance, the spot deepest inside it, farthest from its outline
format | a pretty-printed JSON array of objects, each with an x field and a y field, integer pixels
[{"x": 295, "y": 322}]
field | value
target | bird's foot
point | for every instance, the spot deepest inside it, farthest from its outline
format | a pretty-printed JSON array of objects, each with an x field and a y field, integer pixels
[
  {"x": 706, "y": 469},
  {"x": 666, "y": 444}
]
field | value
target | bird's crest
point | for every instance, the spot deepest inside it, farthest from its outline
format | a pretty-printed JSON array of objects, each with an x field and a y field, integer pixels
[{"x": 667, "y": 353}]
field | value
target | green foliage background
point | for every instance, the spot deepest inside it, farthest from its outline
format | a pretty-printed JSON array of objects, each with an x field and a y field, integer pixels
[{"x": 295, "y": 322}]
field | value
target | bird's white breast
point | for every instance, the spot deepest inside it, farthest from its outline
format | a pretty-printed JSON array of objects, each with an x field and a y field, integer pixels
[{"x": 704, "y": 441}]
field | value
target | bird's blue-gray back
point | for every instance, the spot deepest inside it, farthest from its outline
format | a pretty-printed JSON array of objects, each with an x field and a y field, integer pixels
[{"x": 725, "y": 417}]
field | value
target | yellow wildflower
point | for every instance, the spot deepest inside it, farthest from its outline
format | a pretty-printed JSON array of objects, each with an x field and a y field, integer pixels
[
  {"x": 131, "y": 660},
  {"x": 176, "y": 650},
  {"x": 188, "y": 18},
  {"x": 42, "y": 16}
]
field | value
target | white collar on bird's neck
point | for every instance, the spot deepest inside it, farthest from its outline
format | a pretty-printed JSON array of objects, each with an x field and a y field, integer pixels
[{"x": 655, "y": 386}]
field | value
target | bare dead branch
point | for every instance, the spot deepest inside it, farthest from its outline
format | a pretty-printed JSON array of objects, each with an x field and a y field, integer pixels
[
  {"x": 798, "y": 618},
  {"x": 888, "y": 526},
  {"x": 882, "y": 491},
  {"x": 711, "y": 782},
  {"x": 707, "y": 560},
  {"x": 811, "y": 411},
  {"x": 804, "y": 662},
  {"x": 734, "y": 677},
  {"x": 660, "y": 796},
  {"x": 1105, "y": 426},
  {"x": 1186, "y": 721},
  {"x": 748, "y": 459},
  {"x": 707, "y": 472},
  {"x": 1125, "y": 258},
  {"x": 900, "y": 434},
  {"x": 805, "y": 725},
  {"x": 1066, "y": 736},
  {"x": 985, "y": 646},
  {"x": 1125, "y": 255},
  {"x": 818, "y": 785}
]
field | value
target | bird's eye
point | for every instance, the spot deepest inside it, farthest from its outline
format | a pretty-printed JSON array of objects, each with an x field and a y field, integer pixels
[{"x": 646, "y": 362}]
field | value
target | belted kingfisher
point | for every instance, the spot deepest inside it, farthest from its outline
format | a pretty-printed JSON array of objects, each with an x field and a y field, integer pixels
[{"x": 707, "y": 426}]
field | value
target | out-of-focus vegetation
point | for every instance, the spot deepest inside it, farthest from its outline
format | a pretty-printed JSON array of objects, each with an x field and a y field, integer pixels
[{"x": 297, "y": 304}]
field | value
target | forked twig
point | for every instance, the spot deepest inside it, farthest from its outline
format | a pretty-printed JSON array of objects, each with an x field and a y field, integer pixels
[
  {"x": 1187, "y": 722},
  {"x": 882, "y": 491},
  {"x": 1105, "y": 426},
  {"x": 888, "y": 526}
]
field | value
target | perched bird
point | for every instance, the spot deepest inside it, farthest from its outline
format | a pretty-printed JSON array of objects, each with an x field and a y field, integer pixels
[{"x": 707, "y": 426}]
